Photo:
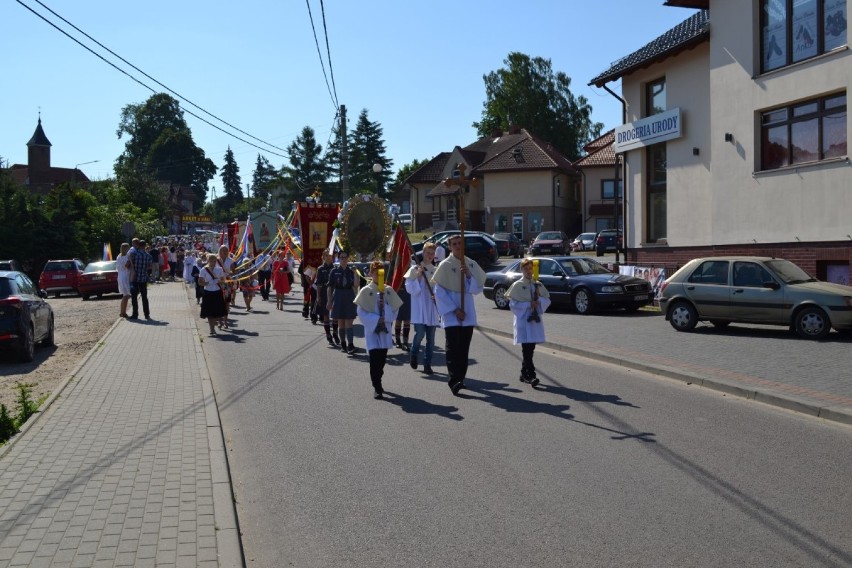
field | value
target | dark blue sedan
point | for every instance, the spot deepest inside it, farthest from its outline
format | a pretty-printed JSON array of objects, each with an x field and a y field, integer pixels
[{"x": 577, "y": 282}]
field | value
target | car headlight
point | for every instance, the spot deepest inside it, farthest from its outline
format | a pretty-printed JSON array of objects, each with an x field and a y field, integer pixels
[{"x": 612, "y": 289}]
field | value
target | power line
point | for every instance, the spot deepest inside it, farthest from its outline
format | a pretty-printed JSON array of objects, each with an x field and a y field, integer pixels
[
  {"x": 111, "y": 64},
  {"x": 319, "y": 53},
  {"x": 328, "y": 53}
]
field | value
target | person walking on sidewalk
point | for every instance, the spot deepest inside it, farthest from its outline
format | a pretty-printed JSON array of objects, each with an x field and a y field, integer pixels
[
  {"x": 377, "y": 305},
  {"x": 343, "y": 283},
  {"x": 123, "y": 267},
  {"x": 141, "y": 262},
  {"x": 424, "y": 312},
  {"x": 455, "y": 282},
  {"x": 528, "y": 300},
  {"x": 212, "y": 279}
]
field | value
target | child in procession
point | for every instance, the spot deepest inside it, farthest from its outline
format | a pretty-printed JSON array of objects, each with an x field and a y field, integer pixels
[
  {"x": 377, "y": 306},
  {"x": 528, "y": 300}
]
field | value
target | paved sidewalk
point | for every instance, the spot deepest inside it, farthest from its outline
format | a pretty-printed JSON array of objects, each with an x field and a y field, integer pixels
[{"x": 127, "y": 465}]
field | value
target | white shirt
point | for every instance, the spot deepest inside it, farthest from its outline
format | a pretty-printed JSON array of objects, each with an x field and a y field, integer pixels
[
  {"x": 423, "y": 309},
  {"x": 524, "y": 331},
  {"x": 370, "y": 319},
  {"x": 211, "y": 277},
  {"x": 449, "y": 301}
]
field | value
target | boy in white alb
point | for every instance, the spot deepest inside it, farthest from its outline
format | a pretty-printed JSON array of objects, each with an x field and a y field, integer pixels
[{"x": 528, "y": 300}]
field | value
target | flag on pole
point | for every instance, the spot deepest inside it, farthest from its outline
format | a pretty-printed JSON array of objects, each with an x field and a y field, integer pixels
[
  {"x": 107, "y": 252},
  {"x": 399, "y": 256}
]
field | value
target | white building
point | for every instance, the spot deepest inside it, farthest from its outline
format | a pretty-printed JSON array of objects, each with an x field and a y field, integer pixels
[{"x": 736, "y": 136}]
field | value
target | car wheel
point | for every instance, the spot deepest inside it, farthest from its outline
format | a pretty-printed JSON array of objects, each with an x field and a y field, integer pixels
[
  {"x": 50, "y": 339},
  {"x": 683, "y": 316},
  {"x": 27, "y": 348},
  {"x": 501, "y": 300},
  {"x": 583, "y": 301},
  {"x": 812, "y": 322},
  {"x": 599, "y": 252},
  {"x": 85, "y": 297},
  {"x": 720, "y": 324}
]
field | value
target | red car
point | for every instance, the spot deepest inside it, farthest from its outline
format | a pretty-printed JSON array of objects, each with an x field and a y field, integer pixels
[
  {"x": 98, "y": 278},
  {"x": 60, "y": 276}
]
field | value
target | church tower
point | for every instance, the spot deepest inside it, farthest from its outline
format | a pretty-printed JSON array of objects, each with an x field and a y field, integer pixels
[{"x": 38, "y": 156}]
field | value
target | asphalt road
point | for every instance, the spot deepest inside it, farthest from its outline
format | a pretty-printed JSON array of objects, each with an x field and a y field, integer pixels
[{"x": 601, "y": 466}]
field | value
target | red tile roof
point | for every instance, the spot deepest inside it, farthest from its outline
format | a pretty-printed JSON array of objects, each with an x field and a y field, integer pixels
[{"x": 601, "y": 152}]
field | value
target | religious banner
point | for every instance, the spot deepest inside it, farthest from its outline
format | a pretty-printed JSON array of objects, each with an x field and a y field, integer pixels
[
  {"x": 316, "y": 223},
  {"x": 264, "y": 229}
]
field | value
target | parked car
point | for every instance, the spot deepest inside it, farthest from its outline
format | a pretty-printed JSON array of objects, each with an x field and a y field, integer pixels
[
  {"x": 61, "y": 276},
  {"x": 98, "y": 278},
  {"x": 609, "y": 240},
  {"x": 25, "y": 317},
  {"x": 434, "y": 238},
  {"x": 753, "y": 289},
  {"x": 477, "y": 246},
  {"x": 405, "y": 219},
  {"x": 577, "y": 282},
  {"x": 551, "y": 242},
  {"x": 514, "y": 247},
  {"x": 584, "y": 241},
  {"x": 9, "y": 265}
]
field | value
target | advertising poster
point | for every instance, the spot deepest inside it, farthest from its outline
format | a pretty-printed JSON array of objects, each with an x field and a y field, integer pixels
[
  {"x": 804, "y": 29},
  {"x": 835, "y": 24},
  {"x": 774, "y": 35}
]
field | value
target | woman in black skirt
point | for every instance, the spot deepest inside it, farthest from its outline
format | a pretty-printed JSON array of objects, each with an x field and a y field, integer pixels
[
  {"x": 212, "y": 278},
  {"x": 343, "y": 285}
]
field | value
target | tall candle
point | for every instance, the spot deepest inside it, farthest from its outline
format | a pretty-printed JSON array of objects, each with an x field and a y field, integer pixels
[
  {"x": 535, "y": 270},
  {"x": 381, "y": 281}
]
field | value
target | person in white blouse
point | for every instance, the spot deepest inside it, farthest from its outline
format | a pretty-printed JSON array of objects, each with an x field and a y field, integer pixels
[
  {"x": 456, "y": 280},
  {"x": 528, "y": 300},
  {"x": 377, "y": 306},
  {"x": 424, "y": 311},
  {"x": 123, "y": 266}
]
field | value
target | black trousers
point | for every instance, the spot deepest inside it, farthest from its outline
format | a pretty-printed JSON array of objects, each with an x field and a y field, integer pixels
[
  {"x": 457, "y": 348},
  {"x": 527, "y": 367},
  {"x": 137, "y": 289},
  {"x": 378, "y": 357},
  {"x": 264, "y": 280}
]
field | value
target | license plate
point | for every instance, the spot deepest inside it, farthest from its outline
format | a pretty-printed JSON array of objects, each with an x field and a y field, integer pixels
[
  {"x": 641, "y": 297},
  {"x": 58, "y": 277},
  {"x": 98, "y": 277}
]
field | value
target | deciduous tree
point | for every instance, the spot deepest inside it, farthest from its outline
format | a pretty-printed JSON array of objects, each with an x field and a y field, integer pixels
[{"x": 527, "y": 93}]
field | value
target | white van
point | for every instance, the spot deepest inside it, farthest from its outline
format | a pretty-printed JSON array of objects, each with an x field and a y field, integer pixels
[{"x": 405, "y": 219}]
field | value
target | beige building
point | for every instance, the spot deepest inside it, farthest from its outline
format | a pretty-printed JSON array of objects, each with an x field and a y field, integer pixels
[
  {"x": 736, "y": 135},
  {"x": 524, "y": 187}
]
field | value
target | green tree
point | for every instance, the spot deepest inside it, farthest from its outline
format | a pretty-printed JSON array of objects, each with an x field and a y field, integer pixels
[
  {"x": 264, "y": 178},
  {"x": 367, "y": 148},
  {"x": 231, "y": 181},
  {"x": 527, "y": 93},
  {"x": 307, "y": 168},
  {"x": 160, "y": 146},
  {"x": 407, "y": 170}
]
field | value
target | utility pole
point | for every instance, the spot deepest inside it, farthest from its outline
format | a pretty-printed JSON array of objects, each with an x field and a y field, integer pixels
[{"x": 344, "y": 156}]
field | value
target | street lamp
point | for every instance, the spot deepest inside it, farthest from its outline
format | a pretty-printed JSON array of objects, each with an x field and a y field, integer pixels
[
  {"x": 377, "y": 169},
  {"x": 74, "y": 174}
]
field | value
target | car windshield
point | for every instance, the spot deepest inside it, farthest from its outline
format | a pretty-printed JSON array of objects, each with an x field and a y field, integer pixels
[
  {"x": 503, "y": 236},
  {"x": 100, "y": 266},
  {"x": 789, "y": 272},
  {"x": 62, "y": 265},
  {"x": 587, "y": 236},
  {"x": 548, "y": 237},
  {"x": 582, "y": 266}
]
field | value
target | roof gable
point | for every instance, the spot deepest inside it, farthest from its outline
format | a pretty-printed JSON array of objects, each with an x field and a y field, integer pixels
[{"x": 686, "y": 35}]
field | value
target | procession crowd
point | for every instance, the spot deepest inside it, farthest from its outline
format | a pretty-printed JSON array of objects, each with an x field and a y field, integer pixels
[{"x": 431, "y": 295}]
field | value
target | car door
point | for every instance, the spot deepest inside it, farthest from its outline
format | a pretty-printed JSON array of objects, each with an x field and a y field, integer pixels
[
  {"x": 708, "y": 289},
  {"x": 553, "y": 277},
  {"x": 37, "y": 306},
  {"x": 754, "y": 295}
]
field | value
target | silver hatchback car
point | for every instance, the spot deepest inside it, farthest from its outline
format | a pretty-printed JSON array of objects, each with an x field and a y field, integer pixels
[{"x": 751, "y": 289}]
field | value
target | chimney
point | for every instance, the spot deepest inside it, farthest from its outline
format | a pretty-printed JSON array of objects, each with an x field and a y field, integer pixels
[
  {"x": 496, "y": 133},
  {"x": 514, "y": 129}
]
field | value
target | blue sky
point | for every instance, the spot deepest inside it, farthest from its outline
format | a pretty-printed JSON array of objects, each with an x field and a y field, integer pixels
[{"x": 416, "y": 66}]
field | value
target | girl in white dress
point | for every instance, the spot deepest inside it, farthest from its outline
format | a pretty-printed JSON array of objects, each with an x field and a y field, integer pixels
[{"x": 528, "y": 300}]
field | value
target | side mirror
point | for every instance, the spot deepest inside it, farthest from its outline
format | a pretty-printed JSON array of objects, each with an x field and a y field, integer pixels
[{"x": 42, "y": 294}]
